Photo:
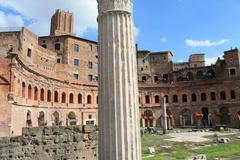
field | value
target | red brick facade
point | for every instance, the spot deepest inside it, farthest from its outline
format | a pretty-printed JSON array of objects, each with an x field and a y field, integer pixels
[{"x": 53, "y": 80}]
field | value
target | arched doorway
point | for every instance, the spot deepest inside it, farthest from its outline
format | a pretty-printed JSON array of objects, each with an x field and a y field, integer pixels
[
  {"x": 56, "y": 119},
  {"x": 148, "y": 117},
  {"x": 205, "y": 116},
  {"x": 41, "y": 119},
  {"x": 186, "y": 118},
  {"x": 71, "y": 119},
  {"x": 225, "y": 117},
  {"x": 29, "y": 119}
]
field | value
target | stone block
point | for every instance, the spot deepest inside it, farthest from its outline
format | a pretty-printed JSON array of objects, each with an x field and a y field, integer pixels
[
  {"x": 47, "y": 131},
  {"x": 151, "y": 150},
  {"x": 200, "y": 157},
  {"x": 93, "y": 136},
  {"x": 89, "y": 128},
  {"x": 36, "y": 132}
]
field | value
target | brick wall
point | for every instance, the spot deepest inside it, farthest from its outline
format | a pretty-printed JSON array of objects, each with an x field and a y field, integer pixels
[{"x": 51, "y": 143}]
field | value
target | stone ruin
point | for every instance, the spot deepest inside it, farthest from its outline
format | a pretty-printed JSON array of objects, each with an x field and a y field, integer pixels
[{"x": 52, "y": 143}]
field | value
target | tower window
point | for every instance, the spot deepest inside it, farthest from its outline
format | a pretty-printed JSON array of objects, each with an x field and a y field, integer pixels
[
  {"x": 75, "y": 62},
  {"x": 90, "y": 65},
  {"x": 90, "y": 77},
  {"x": 232, "y": 72},
  {"x": 90, "y": 47},
  {"x": 29, "y": 52},
  {"x": 75, "y": 75},
  {"x": 76, "y": 48},
  {"x": 57, "y": 46}
]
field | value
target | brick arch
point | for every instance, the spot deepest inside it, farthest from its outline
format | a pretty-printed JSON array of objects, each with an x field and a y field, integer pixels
[
  {"x": 80, "y": 98},
  {"x": 71, "y": 97},
  {"x": 29, "y": 91},
  {"x": 89, "y": 99}
]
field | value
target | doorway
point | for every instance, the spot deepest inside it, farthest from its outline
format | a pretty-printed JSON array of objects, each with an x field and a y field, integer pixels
[{"x": 205, "y": 116}]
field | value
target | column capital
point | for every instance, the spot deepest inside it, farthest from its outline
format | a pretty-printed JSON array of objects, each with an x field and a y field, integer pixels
[{"x": 114, "y": 5}]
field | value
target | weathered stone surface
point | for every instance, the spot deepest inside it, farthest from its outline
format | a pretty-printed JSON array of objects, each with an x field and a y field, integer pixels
[
  {"x": 200, "y": 157},
  {"x": 89, "y": 128},
  {"x": 223, "y": 140},
  {"x": 119, "y": 130},
  {"x": 51, "y": 143}
]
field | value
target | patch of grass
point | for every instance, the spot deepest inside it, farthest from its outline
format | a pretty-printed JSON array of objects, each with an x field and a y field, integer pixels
[
  {"x": 228, "y": 150},
  {"x": 184, "y": 150}
]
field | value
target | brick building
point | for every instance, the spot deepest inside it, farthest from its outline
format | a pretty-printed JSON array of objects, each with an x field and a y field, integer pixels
[
  {"x": 48, "y": 80},
  {"x": 53, "y": 80},
  {"x": 189, "y": 88}
]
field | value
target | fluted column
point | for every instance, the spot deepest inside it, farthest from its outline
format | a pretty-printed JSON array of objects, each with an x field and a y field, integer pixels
[{"x": 119, "y": 122}]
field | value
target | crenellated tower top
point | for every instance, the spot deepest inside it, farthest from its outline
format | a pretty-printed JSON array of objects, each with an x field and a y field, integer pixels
[{"x": 105, "y": 6}]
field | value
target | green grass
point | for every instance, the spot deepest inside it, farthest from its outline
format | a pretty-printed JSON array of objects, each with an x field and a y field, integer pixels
[{"x": 182, "y": 150}]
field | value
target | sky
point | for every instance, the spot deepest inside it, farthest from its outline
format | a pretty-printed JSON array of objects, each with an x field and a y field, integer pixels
[{"x": 183, "y": 27}]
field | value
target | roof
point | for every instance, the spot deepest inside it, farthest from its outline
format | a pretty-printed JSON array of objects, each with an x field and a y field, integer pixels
[
  {"x": 162, "y": 52},
  {"x": 70, "y": 36},
  {"x": 231, "y": 51}
]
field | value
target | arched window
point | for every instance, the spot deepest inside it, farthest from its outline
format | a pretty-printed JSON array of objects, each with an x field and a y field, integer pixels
[
  {"x": 157, "y": 100},
  {"x": 44, "y": 46},
  {"x": 72, "y": 118},
  {"x": 56, "y": 96},
  {"x": 89, "y": 116},
  {"x": 89, "y": 99},
  {"x": 175, "y": 98},
  {"x": 79, "y": 98},
  {"x": 57, "y": 46},
  {"x": 203, "y": 97},
  {"x": 200, "y": 75},
  {"x": 41, "y": 119},
  {"x": 42, "y": 95},
  {"x": 147, "y": 99},
  {"x": 184, "y": 98},
  {"x": 29, "y": 119},
  {"x": 35, "y": 93},
  {"x": 97, "y": 99},
  {"x": 49, "y": 96},
  {"x": 210, "y": 73},
  {"x": 233, "y": 94},
  {"x": 213, "y": 96},
  {"x": 190, "y": 76},
  {"x": 194, "y": 97},
  {"x": 23, "y": 89},
  {"x": 56, "y": 119},
  {"x": 71, "y": 98},
  {"x": 166, "y": 98},
  {"x": 222, "y": 95},
  {"x": 63, "y": 97},
  {"x": 29, "y": 91}
]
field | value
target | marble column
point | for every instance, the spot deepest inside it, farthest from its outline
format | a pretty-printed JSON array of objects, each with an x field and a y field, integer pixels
[
  {"x": 164, "y": 113},
  {"x": 119, "y": 127}
]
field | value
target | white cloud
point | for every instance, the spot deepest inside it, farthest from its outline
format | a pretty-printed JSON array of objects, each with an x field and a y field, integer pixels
[
  {"x": 163, "y": 39},
  {"x": 39, "y": 13},
  {"x": 211, "y": 60},
  {"x": 10, "y": 20},
  {"x": 206, "y": 43},
  {"x": 135, "y": 30}
]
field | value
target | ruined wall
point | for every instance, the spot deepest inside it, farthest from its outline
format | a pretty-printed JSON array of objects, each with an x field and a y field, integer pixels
[{"x": 51, "y": 143}]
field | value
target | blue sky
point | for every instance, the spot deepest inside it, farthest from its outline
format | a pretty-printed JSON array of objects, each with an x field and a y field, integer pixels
[{"x": 181, "y": 26}]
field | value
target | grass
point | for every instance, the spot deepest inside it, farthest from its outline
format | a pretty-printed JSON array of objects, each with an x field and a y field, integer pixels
[{"x": 183, "y": 150}]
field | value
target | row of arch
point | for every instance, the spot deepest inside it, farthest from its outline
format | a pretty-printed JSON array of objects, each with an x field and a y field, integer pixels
[
  {"x": 194, "y": 97},
  {"x": 198, "y": 76},
  {"x": 33, "y": 93},
  {"x": 41, "y": 119}
]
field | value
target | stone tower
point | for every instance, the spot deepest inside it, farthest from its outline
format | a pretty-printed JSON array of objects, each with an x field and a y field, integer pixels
[
  {"x": 119, "y": 130},
  {"x": 62, "y": 23}
]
